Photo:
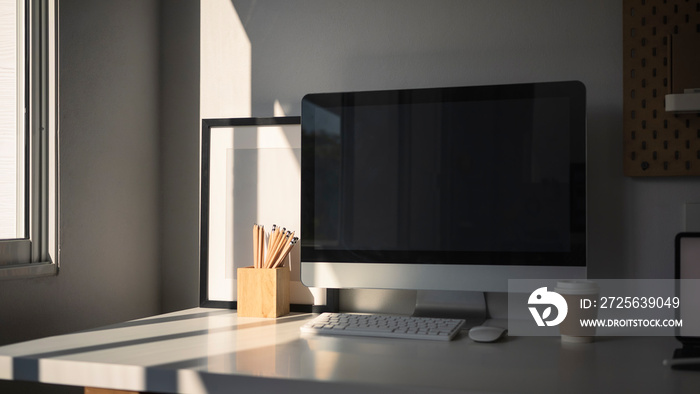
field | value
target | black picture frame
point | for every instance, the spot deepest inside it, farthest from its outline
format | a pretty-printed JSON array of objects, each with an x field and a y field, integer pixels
[{"x": 210, "y": 126}]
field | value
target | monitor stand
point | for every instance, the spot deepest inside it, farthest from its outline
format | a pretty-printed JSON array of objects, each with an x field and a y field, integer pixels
[{"x": 468, "y": 305}]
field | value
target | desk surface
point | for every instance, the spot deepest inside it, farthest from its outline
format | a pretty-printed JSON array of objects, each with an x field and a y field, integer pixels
[{"x": 213, "y": 350}]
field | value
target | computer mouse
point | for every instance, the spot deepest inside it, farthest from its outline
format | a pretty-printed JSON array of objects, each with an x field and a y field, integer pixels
[{"x": 486, "y": 333}]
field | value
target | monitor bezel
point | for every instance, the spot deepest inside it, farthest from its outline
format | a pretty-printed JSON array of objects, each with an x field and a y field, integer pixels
[{"x": 342, "y": 263}]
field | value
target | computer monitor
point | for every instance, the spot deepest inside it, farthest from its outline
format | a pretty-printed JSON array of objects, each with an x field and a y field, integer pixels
[{"x": 457, "y": 188}]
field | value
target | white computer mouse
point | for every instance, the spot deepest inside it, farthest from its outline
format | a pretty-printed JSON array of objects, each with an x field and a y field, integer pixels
[{"x": 486, "y": 333}]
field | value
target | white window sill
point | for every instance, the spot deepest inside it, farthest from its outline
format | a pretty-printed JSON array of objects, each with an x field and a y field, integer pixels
[{"x": 32, "y": 270}]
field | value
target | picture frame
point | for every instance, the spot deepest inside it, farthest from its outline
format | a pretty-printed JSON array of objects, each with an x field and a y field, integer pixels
[{"x": 250, "y": 174}]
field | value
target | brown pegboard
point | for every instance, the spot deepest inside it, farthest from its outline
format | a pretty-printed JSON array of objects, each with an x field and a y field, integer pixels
[{"x": 656, "y": 142}]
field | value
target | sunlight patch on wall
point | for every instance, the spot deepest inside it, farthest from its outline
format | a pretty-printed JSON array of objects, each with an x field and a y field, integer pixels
[
  {"x": 225, "y": 62},
  {"x": 278, "y": 109}
]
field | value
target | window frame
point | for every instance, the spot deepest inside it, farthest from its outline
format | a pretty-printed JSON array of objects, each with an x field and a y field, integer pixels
[{"x": 37, "y": 253}]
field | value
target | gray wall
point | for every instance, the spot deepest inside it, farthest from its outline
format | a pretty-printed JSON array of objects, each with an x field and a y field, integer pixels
[
  {"x": 179, "y": 153},
  {"x": 307, "y": 46},
  {"x": 109, "y": 174},
  {"x": 109, "y": 177},
  {"x": 313, "y": 45},
  {"x": 109, "y": 149}
]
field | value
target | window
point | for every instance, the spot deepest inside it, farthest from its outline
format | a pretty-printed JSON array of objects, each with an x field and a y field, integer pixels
[{"x": 28, "y": 170}]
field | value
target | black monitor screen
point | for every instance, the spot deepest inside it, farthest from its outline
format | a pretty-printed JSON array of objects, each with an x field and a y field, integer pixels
[{"x": 482, "y": 175}]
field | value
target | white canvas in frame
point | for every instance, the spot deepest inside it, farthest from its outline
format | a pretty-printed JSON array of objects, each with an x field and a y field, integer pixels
[{"x": 254, "y": 178}]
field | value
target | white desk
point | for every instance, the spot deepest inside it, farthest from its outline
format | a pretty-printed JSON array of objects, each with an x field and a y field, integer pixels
[{"x": 213, "y": 350}]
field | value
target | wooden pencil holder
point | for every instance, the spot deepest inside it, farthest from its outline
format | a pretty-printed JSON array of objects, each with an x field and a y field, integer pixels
[{"x": 263, "y": 292}]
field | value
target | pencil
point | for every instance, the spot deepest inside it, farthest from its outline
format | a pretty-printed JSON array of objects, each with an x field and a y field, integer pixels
[
  {"x": 279, "y": 243},
  {"x": 282, "y": 255},
  {"x": 280, "y": 236},
  {"x": 273, "y": 241},
  {"x": 273, "y": 233},
  {"x": 260, "y": 241},
  {"x": 261, "y": 251},
  {"x": 285, "y": 249},
  {"x": 255, "y": 245},
  {"x": 272, "y": 256},
  {"x": 285, "y": 253}
]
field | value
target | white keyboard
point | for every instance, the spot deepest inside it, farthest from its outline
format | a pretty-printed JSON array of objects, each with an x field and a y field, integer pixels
[{"x": 388, "y": 326}]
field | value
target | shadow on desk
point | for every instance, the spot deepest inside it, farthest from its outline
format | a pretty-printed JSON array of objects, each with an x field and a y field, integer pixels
[
  {"x": 215, "y": 351},
  {"x": 165, "y": 319}
]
